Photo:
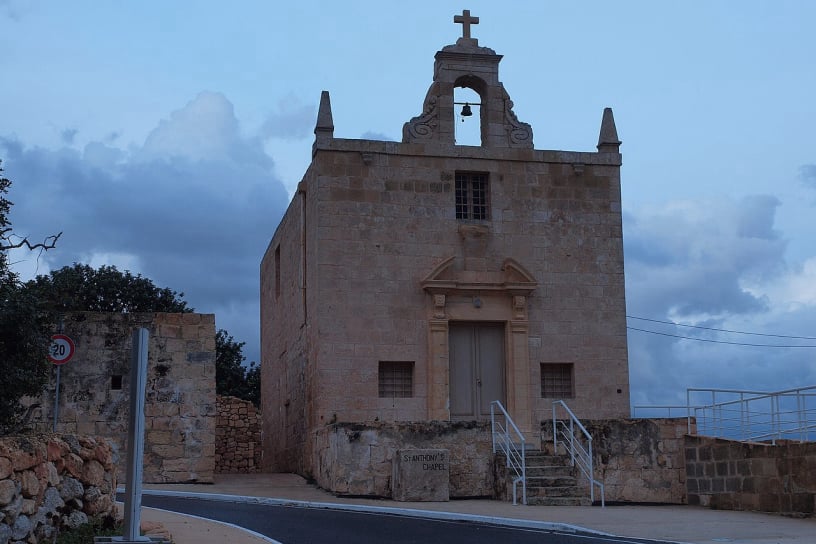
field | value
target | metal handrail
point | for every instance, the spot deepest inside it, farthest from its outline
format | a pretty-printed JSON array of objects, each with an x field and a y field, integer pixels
[
  {"x": 756, "y": 415},
  {"x": 576, "y": 450},
  {"x": 513, "y": 451},
  {"x": 751, "y": 416}
]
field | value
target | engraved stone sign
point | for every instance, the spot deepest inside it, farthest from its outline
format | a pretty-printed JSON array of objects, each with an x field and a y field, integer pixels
[{"x": 421, "y": 475}]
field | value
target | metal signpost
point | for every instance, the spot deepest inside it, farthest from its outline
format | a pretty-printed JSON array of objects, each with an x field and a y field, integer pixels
[
  {"x": 61, "y": 351},
  {"x": 133, "y": 488}
]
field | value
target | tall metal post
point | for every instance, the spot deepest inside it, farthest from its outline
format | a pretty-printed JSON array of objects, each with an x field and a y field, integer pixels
[{"x": 133, "y": 487}]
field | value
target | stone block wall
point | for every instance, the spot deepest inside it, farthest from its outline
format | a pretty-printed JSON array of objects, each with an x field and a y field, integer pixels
[
  {"x": 237, "y": 436},
  {"x": 48, "y": 482},
  {"x": 180, "y": 398},
  {"x": 637, "y": 460},
  {"x": 729, "y": 475},
  {"x": 357, "y": 459}
]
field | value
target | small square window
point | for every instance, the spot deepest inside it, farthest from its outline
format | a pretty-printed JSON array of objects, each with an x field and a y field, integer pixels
[
  {"x": 116, "y": 382},
  {"x": 396, "y": 379},
  {"x": 471, "y": 195},
  {"x": 557, "y": 381}
]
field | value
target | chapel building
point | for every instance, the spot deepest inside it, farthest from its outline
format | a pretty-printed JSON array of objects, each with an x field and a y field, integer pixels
[{"x": 421, "y": 280}]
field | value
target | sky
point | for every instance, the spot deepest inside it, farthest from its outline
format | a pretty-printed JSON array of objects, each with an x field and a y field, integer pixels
[{"x": 167, "y": 138}]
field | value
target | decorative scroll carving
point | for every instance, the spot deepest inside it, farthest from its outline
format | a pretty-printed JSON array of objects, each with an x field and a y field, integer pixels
[
  {"x": 521, "y": 134},
  {"x": 439, "y": 306},
  {"x": 423, "y": 127},
  {"x": 520, "y": 307}
]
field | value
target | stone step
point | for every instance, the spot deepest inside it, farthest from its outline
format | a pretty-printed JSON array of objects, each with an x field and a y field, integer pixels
[
  {"x": 558, "y": 501},
  {"x": 549, "y": 471},
  {"x": 551, "y": 481},
  {"x": 554, "y": 491}
]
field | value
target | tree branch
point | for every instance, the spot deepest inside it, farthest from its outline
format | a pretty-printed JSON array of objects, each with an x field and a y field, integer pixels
[{"x": 50, "y": 242}]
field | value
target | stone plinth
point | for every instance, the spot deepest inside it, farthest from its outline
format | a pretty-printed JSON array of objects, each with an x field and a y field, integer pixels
[{"x": 421, "y": 475}]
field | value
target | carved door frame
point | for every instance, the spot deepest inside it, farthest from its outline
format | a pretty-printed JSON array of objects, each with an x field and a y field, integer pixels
[{"x": 500, "y": 297}]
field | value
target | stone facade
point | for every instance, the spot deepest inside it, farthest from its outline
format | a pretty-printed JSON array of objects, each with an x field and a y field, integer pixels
[
  {"x": 237, "y": 436},
  {"x": 180, "y": 407},
  {"x": 385, "y": 252},
  {"x": 49, "y": 482},
  {"x": 728, "y": 475}
]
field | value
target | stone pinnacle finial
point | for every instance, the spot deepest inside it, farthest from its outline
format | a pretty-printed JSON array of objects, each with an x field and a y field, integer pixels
[
  {"x": 324, "y": 129},
  {"x": 608, "y": 139}
]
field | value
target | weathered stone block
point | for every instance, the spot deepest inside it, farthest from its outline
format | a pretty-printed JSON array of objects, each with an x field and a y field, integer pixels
[{"x": 421, "y": 475}]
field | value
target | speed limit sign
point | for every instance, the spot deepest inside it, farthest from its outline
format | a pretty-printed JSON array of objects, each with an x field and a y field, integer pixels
[{"x": 61, "y": 350}]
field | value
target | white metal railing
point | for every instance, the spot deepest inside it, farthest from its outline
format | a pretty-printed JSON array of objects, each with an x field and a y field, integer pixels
[
  {"x": 578, "y": 446},
  {"x": 744, "y": 415},
  {"x": 508, "y": 439},
  {"x": 754, "y": 415}
]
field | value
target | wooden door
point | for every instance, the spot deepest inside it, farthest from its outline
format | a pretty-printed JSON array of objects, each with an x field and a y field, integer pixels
[{"x": 476, "y": 369}]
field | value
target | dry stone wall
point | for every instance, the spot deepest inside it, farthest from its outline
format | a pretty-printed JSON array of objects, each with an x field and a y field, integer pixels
[
  {"x": 728, "y": 475},
  {"x": 180, "y": 408},
  {"x": 49, "y": 482},
  {"x": 237, "y": 436}
]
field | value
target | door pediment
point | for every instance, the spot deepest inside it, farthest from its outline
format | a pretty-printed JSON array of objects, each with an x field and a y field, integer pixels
[{"x": 446, "y": 279}]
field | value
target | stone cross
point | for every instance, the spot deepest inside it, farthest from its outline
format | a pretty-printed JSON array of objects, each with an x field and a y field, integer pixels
[{"x": 465, "y": 20}]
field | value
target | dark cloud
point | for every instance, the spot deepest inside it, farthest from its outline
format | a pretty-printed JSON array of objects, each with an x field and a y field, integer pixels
[
  {"x": 194, "y": 207},
  {"x": 712, "y": 264}
]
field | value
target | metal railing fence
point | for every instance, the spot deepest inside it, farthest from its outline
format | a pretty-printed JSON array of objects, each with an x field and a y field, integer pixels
[
  {"x": 578, "y": 446},
  {"x": 508, "y": 439},
  {"x": 746, "y": 415}
]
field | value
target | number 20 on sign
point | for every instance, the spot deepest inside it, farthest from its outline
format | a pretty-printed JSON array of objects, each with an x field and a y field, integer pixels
[{"x": 61, "y": 349}]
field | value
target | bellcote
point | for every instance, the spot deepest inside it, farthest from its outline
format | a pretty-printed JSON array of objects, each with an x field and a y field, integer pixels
[{"x": 466, "y": 64}]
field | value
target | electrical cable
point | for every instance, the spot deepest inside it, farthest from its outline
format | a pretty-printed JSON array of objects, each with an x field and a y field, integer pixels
[
  {"x": 721, "y": 330},
  {"x": 720, "y": 341}
]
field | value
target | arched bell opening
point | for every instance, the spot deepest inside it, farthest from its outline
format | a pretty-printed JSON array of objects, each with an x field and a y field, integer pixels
[{"x": 469, "y": 98}]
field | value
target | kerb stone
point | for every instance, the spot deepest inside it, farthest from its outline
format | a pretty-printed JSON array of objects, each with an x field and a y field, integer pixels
[{"x": 421, "y": 475}]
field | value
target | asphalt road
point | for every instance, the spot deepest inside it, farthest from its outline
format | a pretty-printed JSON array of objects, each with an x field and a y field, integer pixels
[{"x": 301, "y": 525}]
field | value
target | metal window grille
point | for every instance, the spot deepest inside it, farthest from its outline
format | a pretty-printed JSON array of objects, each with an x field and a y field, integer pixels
[
  {"x": 471, "y": 195},
  {"x": 396, "y": 379},
  {"x": 557, "y": 380}
]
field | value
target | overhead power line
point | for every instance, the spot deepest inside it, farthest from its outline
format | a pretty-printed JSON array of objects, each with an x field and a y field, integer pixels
[
  {"x": 722, "y": 341},
  {"x": 721, "y": 330}
]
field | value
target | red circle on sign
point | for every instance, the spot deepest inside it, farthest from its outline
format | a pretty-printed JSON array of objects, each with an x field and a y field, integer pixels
[{"x": 61, "y": 350}]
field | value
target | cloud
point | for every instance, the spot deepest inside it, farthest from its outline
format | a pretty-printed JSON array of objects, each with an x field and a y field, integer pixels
[
  {"x": 377, "y": 136},
  {"x": 292, "y": 121},
  {"x": 193, "y": 208},
  {"x": 807, "y": 173},
  {"x": 67, "y": 136},
  {"x": 717, "y": 264}
]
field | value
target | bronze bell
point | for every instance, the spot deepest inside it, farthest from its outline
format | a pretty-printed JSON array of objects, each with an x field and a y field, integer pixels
[{"x": 466, "y": 110}]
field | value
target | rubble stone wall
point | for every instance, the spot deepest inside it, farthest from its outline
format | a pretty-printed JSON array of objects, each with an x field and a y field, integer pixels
[
  {"x": 180, "y": 407},
  {"x": 356, "y": 459},
  {"x": 49, "y": 482},
  {"x": 237, "y": 436},
  {"x": 637, "y": 460},
  {"x": 728, "y": 475}
]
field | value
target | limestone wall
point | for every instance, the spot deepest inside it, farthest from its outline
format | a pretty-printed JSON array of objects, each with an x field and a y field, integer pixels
[
  {"x": 180, "y": 399},
  {"x": 356, "y": 459},
  {"x": 48, "y": 482},
  {"x": 728, "y": 475},
  {"x": 637, "y": 460},
  {"x": 237, "y": 436}
]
